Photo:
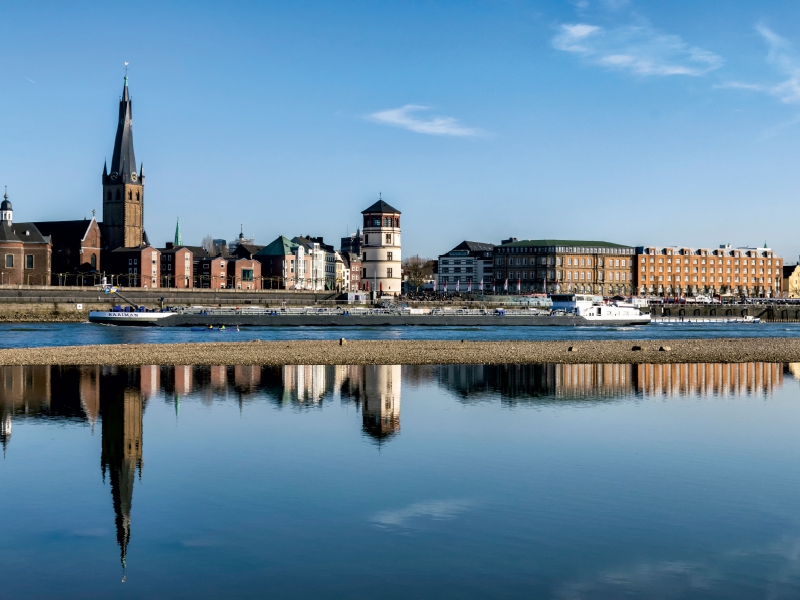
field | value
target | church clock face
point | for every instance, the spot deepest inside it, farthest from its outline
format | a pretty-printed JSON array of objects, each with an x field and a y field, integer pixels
[
  {"x": 114, "y": 175},
  {"x": 133, "y": 176}
]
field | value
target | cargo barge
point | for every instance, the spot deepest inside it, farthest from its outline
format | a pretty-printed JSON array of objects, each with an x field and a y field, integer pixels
[{"x": 567, "y": 312}]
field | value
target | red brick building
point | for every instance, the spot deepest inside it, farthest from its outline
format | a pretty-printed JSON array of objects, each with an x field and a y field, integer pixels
[
  {"x": 177, "y": 267},
  {"x": 244, "y": 274},
  {"x": 25, "y": 252},
  {"x": 353, "y": 262},
  {"x": 211, "y": 273},
  {"x": 135, "y": 267},
  {"x": 76, "y": 248},
  {"x": 684, "y": 271}
]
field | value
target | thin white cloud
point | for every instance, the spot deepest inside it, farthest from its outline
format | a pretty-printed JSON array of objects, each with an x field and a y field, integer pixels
[
  {"x": 406, "y": 117},
  {"x": 783, "y": 59},
  {"x": 638, "y": 49},
  {"x": 434, "y": 509},
  {"x": 29, "y": 79}
]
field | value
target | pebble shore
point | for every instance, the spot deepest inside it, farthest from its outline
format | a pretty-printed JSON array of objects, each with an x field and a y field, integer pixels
[{"x": 413, "y": 352}]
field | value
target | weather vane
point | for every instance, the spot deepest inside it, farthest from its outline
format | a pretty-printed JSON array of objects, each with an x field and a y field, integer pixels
[{"x": 126, "y": 69}]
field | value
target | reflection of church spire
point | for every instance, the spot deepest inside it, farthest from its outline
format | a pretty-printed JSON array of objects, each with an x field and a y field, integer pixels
[
  {"x": 381, "y": 408},
  {"x": 121, "y": 412}
]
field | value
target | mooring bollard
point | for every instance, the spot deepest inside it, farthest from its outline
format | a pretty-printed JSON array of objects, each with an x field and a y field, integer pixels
[{"x": 342, "y": 342}]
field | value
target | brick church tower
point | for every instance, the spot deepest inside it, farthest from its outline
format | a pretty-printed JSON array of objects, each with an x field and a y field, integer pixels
[{"x": 123, "y": 189}]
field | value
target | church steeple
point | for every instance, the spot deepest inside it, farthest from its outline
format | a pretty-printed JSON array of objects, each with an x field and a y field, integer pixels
[
  {"x": 178, "y": 239},
  {"x": 123, "y": 191},
  {"x": 123, "y": 160}
]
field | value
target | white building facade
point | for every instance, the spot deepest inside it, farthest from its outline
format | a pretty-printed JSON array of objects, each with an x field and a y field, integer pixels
[{"x": 468, "y": 263}]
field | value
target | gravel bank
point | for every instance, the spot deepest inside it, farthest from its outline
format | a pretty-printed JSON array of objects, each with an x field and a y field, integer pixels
[{"x": 413, "y": 352}]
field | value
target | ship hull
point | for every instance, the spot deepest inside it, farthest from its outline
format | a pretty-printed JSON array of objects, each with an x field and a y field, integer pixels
[{"x": 371, "y": 320}]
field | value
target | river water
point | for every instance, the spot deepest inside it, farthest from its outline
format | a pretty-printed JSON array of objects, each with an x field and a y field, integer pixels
[
  {"x": 524, "y": 481},
  {"x": 16, "y": 335}
]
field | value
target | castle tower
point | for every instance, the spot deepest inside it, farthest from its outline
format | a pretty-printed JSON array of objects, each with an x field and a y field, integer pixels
[
  {"x": 381, "y": 261},
  {"x": 123, "y": 189}
]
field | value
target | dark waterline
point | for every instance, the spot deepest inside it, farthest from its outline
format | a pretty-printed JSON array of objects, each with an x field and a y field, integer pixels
[
  {"x": 21, "y": 335},
  {"x": 529, "y": 481}
]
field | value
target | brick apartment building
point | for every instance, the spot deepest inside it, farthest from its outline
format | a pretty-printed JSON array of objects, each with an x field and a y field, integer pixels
[
  {"x": 177, "y": 266},
  {"x": 588, "y": 267},
  {"x": 211, "y": 273},
  {"x": 244, "y": 274},
  {"x": 135, "y": 267},
  {"x": 684, "y": 271}
]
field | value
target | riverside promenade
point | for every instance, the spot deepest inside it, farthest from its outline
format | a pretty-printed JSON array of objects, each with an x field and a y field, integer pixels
[{"x": 398, "y": 352}]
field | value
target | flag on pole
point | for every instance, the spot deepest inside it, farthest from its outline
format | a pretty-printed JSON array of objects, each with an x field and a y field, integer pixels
[
  {"x": 505, "y": 285},
  {"x": 519, "y": 287},
  {"x": 444, "y": 288},
  {"x": 458, "y": 284},
  {"x": 469, "y": 286},
  {"x": 493, "y": 288},
  {"x": 481, "y": 283},
  {"x": 434, "y": 285}
]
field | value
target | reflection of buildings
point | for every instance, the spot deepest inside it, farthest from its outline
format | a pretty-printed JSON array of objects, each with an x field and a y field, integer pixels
[
  {"x": 516, "y": 383},
  {"x": 707, "y": 379}
]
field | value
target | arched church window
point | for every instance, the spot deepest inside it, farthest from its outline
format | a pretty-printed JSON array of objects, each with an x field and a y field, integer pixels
[
  {"x": 130, "y": 195},
  {"x": 119, "y": 196},
  {"x": 137, "y": 196},
  {"x": 109, "y": 195},
  {"x": 94, "y": 261}
]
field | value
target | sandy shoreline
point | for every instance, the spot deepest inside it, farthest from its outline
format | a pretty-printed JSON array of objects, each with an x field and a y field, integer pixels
[{"x": 352, "y": 352}]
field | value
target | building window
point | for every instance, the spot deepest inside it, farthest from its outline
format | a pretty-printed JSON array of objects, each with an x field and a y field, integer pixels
[
  {"x": 388, "y": 256},
  {"x": 389, "y": 272},
  {"x": 247, "y": 275},
  {"x": 388, "y": 238},
  {"x": 29, "y": 261},
  {"x": 9, "y": 261},
  {"x": 93, "y": 261},
  {"x": 376, "y": 222}
]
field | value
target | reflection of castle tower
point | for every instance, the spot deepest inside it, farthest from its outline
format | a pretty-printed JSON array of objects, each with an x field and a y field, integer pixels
[
  {"x": 121, "y": 411},
  {"x": 381, "y": 408}
]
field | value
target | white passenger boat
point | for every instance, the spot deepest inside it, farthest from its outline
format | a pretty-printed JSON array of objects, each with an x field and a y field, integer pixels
[{"x": 596, "y": 311}]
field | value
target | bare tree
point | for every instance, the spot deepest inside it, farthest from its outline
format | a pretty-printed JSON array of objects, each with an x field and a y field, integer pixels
[
  {"x": 208, "y": 244},
  {"x": 417, "y": 270}
]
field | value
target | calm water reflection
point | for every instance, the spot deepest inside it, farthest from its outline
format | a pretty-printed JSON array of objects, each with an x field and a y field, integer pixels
[{"x": 675, "y": 481}]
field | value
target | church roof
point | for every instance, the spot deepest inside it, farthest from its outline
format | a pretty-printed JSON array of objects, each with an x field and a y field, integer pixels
[
  {"x": 65, "y": 230},
  {"x": 282, "y": 246},
  {"x": 27, "y": 233},
  {"x": 123, "y": 160},
  {"x": 380, "y": 207}
]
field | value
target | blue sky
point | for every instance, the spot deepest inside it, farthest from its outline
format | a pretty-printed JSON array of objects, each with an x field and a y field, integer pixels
[{"x": 632, "y": 122}]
